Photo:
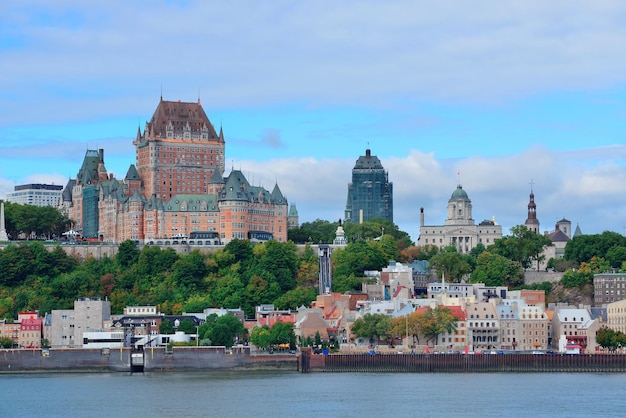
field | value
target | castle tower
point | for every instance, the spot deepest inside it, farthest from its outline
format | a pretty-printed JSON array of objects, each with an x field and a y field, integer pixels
[{"x": 178, "y": 151}]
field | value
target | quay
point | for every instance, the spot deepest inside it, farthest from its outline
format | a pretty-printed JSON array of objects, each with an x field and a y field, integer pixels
[
  {"x": 464, "y": 363},
  {"x": 178, "y": 359}
]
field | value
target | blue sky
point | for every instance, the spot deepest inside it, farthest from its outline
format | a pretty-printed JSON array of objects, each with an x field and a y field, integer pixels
[{"x": 502, "y": 93}]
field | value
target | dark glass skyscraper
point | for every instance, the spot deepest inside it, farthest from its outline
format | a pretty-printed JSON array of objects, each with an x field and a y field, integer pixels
[{"x": 370, "y": 195}]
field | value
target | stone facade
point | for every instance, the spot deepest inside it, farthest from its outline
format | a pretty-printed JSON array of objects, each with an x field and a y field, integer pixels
[
  {"x": 176, "y": 191},
  {"x": 459, "y": 229}
]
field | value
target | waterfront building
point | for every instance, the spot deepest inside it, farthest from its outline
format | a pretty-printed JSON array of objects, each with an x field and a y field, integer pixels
[
  {"x": 575, "y": 326},
  {"x": 483, "y": 326},
  {"x": 370, "y": 194},
  {"x": 65, "y": 327},
  {"x": 176, "y": 191},
  {"x": 36, "y": 194},
  {"x": 530, "y": 332},
  {"x": 10, "y": 330},
  {"x": 30, "y": 329},
  {"x": 459, "y": 229}
]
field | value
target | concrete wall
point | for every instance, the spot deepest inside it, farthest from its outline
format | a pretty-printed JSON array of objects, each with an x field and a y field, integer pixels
[{"x": 157, "y": 359}]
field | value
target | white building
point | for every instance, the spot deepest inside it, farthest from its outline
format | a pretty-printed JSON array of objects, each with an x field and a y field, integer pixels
[
  {"x": 459, "y": 229},
  {"x": 36, "y": 195}
]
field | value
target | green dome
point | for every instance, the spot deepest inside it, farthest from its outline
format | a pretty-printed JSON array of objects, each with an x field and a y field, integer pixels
[{"x": 459, "y": 194}]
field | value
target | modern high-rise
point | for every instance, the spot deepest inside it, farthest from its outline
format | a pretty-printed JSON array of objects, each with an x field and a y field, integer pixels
[{"x": 370, "y": 194}]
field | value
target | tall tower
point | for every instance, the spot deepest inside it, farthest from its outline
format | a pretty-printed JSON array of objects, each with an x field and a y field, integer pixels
[
  {"x": 370, "y": 195},
  {"x": 178, "y": 151},
  {"x": 532, "y": 223}
]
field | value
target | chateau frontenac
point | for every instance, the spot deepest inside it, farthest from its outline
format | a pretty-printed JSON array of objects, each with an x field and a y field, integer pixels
[{"x": 176, "y": 190}]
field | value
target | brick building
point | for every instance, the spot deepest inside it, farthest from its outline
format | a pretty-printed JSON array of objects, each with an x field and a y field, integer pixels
[{"x": 176, "y": 190}]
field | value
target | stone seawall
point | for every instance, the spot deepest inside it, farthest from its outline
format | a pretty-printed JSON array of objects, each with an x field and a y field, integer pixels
[{"x": 154, "y": 360}]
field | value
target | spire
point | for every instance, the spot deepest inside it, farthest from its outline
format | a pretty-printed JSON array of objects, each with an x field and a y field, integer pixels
[{"x": 532, "y": 223}]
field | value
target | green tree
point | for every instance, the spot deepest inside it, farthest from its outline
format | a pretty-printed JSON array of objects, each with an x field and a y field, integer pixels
[
  {"x": 127, "y": 254},
  {"x": 371, "y": 326},
  {"x": 495, "y": 270},
  {"x": 610, "y": 339},
  {"x": 261, "y": 337},
  {"x": 584, "y": 247},
  {"x": 227, "y": 330},
  {"x": 616, "y": 256},
  {"x": 282, "y": 333},
  {"x": 453, "y": 265},
  {"x": 166, "y": 327},
  {"x": 318, "y": 231},
  {"x": 523, "y": 246},
  {"x": 295, "y": 298},
  {"x": 187, "y": 326}
]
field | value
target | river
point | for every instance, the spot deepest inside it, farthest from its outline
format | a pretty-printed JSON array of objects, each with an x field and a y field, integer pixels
[{"x": 291, "y": 394}]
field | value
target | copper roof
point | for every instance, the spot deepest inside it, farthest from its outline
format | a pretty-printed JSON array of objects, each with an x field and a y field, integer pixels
[{"x": 179, "y": 114}]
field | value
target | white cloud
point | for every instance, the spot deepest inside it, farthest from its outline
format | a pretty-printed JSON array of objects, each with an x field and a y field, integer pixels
[
  {"x": 249, "y": 54},
  {"x": 593, "y": 195}
]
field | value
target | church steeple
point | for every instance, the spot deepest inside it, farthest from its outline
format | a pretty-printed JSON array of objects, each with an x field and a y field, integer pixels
[{"x": 532, "y": 223}]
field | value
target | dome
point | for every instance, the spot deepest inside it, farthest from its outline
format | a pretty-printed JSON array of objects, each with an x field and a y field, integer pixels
[{"x": 459, "y": 194}]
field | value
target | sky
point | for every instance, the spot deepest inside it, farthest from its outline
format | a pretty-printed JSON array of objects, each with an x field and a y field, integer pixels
[{"x": 500, "y": 97}]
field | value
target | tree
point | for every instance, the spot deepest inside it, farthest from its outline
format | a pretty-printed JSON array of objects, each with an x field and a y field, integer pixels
[
  {"x": 409, "y": 323},
  {"x": 316, "y": 231},
  {"x": 610, "y": 339},
  {"x": 166, "y": 327},
  {"x": 372, "y": 326},
  {"x": 187, "y": 326},
  {"x": 227, "y": 330},
  {"x": 433, "y": 322},
  {"x": 495, "y": 270},
  {"x": 127, "y": 254},
  {"x": 585, "y": 247},
  {"x": 261, "y": 337},
  {"x": 616, "y": 256},
  {"x": 450, "y": 263},
  {"x": 282, "y": 333},
  {"x": 523, "y": 246},
  {"x": 295, "y": 298}
]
